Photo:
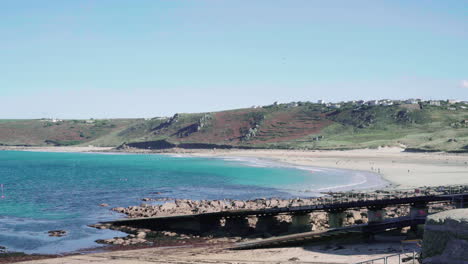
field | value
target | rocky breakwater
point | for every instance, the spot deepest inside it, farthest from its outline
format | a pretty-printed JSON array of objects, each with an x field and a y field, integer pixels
[
  {"x": 185, "y": 207},
  {"x": 144, "y": 237},
  {"x": 318, "y": 220},
  {"x": 446, "y": 237}
]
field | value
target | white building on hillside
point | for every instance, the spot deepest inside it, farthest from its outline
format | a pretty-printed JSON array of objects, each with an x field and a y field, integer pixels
[{"x": 411, "y": 101}]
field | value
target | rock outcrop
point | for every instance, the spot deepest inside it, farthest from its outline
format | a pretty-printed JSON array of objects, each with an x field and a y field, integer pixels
[
  {"x": 446, "y": 238},
  {"x": 57, "y": 233}
]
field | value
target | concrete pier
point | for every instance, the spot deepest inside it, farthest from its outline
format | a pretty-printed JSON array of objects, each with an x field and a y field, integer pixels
[
  {"x": 300, "y": 223},
  {"x": 418, "y": 210},
  {"x": 336, "y": 219},
  {"x": 461, "y": 202},
  {"x": 195, "y": 225},
  {"x": 236, "y": 220},
  {"x": 237, "y": 225},
  {"x": 375, "y": 215},
  {"x": 266, "y": 223}
]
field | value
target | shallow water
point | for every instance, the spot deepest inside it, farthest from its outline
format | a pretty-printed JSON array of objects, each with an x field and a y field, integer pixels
[{"x": 49, "y": 191}]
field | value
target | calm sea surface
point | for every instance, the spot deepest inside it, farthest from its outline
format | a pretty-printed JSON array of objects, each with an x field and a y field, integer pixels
[{"x": 48, "y": 191}]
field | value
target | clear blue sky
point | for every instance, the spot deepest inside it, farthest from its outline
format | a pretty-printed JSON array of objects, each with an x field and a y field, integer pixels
[{"x": 112, "y": 58}]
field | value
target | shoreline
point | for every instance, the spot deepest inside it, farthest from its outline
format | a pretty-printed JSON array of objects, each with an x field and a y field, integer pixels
[
  {"x": 363, "y": 180},
  {"x": 368, "y": 180},
  {"x": 399, "y": 168}
]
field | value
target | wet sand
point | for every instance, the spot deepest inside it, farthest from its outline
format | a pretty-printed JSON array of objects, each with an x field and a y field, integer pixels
[{"x": 402, "y": 169}]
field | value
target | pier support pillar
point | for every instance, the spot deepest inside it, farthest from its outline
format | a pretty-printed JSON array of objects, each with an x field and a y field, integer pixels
[
  {"x": 461, "y": 202},
  {"x": 202, "y": 225},
  {"x": 209, "y": 224},
  {"x": 300, "y": 223},
  {"x": 375, "y": 215},
  {"x": 237, "y": 225},
  {"x": 418, "y": 210},
  {"x": 266, "y": 223},
  {"x": 336, "y": 219}
]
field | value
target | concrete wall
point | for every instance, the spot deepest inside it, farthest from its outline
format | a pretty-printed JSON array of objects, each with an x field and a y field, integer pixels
[{"x": 446, "y": 237}]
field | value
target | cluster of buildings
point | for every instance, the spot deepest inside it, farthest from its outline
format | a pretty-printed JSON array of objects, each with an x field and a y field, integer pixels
[
  {"x": 52, "y": 119},
  {"x": 388, "y": 102},
  {"x": 450, "y": 103}
]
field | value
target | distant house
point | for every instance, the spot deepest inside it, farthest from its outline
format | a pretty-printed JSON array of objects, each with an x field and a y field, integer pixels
[
  {"x": 320, "y": 101},
  {"x": 293, "y": 104},
  {"x": 335, "y": 106},
  {"x": 373, "y": 102},
  {"x": 434, "y": 102},
  {"x": 411, "y": 101},
  {"x": 452, "y": 101},
  {"x": 452, "y": 108},
  {"x": 360, "y": 102},
  {"x": 386, "y": 102}
]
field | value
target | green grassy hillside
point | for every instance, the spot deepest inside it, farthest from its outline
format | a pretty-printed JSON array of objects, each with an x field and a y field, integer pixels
[
  {"x": 295, "y": 125},
  {"x": 59, "y": 133}
]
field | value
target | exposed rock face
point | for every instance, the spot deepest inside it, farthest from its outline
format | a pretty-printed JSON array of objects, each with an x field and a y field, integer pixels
[
  {"x": 202, "y": 122},
  {"x": 160, "y": 128},
  {"x": 446, "y": 237},
  {"x": 57, "y": 233},
  {"x": 3, "y": 249}
]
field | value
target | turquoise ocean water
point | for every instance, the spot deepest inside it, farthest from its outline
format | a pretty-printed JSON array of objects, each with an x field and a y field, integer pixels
[{"x": 48, "y": 191}]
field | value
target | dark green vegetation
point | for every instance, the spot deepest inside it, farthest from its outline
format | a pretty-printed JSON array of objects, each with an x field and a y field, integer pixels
[{"x": 300, "y": 125}]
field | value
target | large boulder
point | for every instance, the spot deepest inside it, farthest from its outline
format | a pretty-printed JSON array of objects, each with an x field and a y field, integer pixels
[{"x": 446, "y": 238}]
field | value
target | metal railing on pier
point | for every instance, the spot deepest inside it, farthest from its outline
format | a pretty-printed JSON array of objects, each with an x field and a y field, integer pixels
[
  {"x": 343, "y": 197},
  {"x": 410, "y": 258}
]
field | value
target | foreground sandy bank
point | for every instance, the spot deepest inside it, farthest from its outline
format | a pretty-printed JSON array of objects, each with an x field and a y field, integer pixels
[
  {"x": 219, "y": 254},
  {"x": 403, "y": 169}
]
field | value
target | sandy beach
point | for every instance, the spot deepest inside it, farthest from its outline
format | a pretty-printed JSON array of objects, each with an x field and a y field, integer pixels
[{"x": 402, "y": 169}]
